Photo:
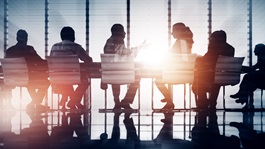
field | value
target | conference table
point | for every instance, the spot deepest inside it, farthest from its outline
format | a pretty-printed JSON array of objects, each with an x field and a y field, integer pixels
[{"x": 141, "y": 70}]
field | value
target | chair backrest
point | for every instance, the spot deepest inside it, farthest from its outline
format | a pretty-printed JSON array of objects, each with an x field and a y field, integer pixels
[
  {"x": 228, "y": 70},
  {"x": 117, "y": 69},
  {"x": 15, "y": 71},
  {"x": 64, "y": 70},
  {"x": 178, "y": 68}
]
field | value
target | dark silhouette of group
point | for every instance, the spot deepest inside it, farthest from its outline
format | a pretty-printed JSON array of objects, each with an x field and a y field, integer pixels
[{"x": 115, "y": 45}]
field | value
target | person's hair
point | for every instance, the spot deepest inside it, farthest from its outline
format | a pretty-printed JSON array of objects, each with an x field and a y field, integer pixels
[
  {"x": 117, "y": 29},
  {"x": 68, "y": 33},
  {"x": 185, "y": 32},
  {"x": 22, "y": 35},
  {"x": 218, "y": 36},
  {"x": 259, "y": 49}
]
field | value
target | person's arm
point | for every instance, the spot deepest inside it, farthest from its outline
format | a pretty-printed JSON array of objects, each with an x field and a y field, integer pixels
[
  {"x": 109, "y": 47},
  {"x": 83, "y": 55},
  {"x": 40, "y": 64},
  {"x": 260, "y": 63}
]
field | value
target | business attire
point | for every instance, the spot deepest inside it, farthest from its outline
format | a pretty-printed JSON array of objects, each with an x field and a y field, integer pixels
[
  {"x": 253, "y": 78},
  {"x": 207, "y": 63},
  {"x": 115, "y": 45},
  {"x": 67, "y": 47},
  {"x": 180, "y": 47}
]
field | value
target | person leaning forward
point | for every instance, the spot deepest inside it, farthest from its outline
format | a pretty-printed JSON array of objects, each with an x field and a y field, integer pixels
[
  {"x": 217, "y": 46},
  {"x": 38, "y": 78}
]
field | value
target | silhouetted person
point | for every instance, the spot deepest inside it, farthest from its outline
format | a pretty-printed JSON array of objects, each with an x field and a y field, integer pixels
[
  {"x": 166, "y": 132},
  {"x": 113, "y": 142},
  {"x": 37, "y": 132},
  {"x": 71, "y": 124},
  {"x": 253, "y": 79},
  {"x": 115, "y": 45},
  {"x": 217, "y": 46},
  {"x": 130, "y": 127},
  {"x": 63, "y": 131},
  {"x": 66, "y": 92},
  {"x": 206, "y": 134},
  {"x": 77, "y": 125},
  {"x": 38, "y": 77},
  {"x": 250, "y": 138},
  {"x": 68, "y": 47},
  {"x": 115, "y": 136},
  {"x": 182, "y": 45}
]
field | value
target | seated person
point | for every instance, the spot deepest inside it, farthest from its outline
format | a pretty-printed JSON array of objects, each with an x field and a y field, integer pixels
[
  {"x": 183, "y": 45},
  {"x": 37, "y": 70},
  {"x": 68, "y": 47},
  {"x": 252, "y": 79},
  {"x": 217, "y": 46},
  {"x": 115, "y": 45}
]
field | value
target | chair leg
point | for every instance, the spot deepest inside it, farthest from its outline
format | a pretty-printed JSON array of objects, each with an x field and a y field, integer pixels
[
  {"x": 139, "y": 95},
  {"x": 190, "y": 95},
  {"x": 261, "y": 102},
  {"x": 20, "y": 98},
  {"x": 105, "y": 99},
  {"x": 152, "y": 94},
  {"x": 224, "y": 98},
  {"x": 58, "y": 101},
  {"x": 184, "y": 97},
  {"x": 52, "y": 99}
]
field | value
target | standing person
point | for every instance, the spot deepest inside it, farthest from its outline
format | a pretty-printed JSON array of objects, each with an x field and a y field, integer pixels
[
  {"x": 182, "y": 45},
  {"x": 115, "y": 45},
  {"x": 217, "y": 46},
  {"x": 35, "y": 63},
  {"x": 252, "y": 79},
  {"x": 68, "y": 47}
]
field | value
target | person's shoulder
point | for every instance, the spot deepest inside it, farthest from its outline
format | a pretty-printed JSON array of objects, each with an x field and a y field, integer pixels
[
  {"x": 10, "y": 48},
  {"x": 30, "y": 47},
  {"x": 56, "y": 44},
  {"x": 229, "y": 45},
  {"x": 70, "y": 43},
  {"x": 77, "y": 45}
]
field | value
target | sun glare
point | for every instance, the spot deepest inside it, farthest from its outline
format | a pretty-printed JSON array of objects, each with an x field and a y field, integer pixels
[{"x": 152, "y": 56}]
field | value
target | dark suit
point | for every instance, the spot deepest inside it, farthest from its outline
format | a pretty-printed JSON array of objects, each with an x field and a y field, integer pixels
[
  {"x": 37, "y": 70},
  {"x": 206, "y": 65}
]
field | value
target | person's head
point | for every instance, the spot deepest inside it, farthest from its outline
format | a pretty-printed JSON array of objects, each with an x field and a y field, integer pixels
[
  {"x": 68, "y": 33},
  {"x": 218, "y": 36},
  {"x": 181, "y": 31},
  {"x": 22, "y": 36},
  {"x": 118, "y": 30},
  {"x": 259, "y": 49}
]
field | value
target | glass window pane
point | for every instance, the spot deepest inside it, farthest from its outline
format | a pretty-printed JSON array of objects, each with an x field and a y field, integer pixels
[
  {"x": 27, "y": 15},
  {"x": 2, "y": 29},
  {"x": 231, "y": 16},
  {"x": 103, "y": 14},
  {"x": 193, "y": 13},
  {"x": 67, "y": 13}
]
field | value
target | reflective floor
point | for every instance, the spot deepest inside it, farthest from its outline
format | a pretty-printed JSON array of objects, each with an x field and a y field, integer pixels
[
  {"x": 93, "y": 129},
  {"x": 143, "y": 129}
]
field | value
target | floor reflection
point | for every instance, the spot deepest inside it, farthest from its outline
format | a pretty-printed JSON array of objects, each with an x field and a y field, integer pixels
[{"x": 144, "y": 129}]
